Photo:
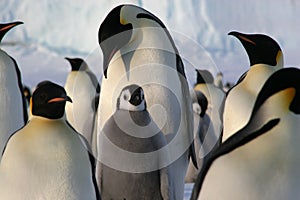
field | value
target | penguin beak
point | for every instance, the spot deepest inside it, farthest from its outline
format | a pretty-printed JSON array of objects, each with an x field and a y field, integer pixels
[
  {"x": 241, "y": 36},
  {"x": 4, "y": 28},
  {"x": 8, "y": 26},
  {"x": 60, "y": 99}
]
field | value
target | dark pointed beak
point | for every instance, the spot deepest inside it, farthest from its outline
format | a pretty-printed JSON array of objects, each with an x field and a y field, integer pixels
[
  {"x": 8, "y": 26},
  {"x": 4, "y": 28},
  {"x": 242, "y": 37}
]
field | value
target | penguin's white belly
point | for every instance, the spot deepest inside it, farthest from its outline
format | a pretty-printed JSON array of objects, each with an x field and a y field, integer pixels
[
  {"x": 80, "y": 113},
  {"x": 11, "y": 105},
  {"x": 215, "y": 98},
  {"x": 265, "y": 168},
  {"x": 240, "y": 100},
  {"x": 160, "y": 82},
  {"x": 50, "y": 164},
  {"x": 156, "y": 72}
]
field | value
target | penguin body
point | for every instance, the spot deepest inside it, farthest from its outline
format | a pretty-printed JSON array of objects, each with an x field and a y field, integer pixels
[
  {"x": 134, "y": 176},
  {"x": 13, "y": 107},
  {"x": 265, "y": 58},
  {"x": 145, "y": 47},
  {"x": 83, "y": 87},
  {"x": 204, "y": 135},
  {"x": 215, "y": 97},
  {"x": 47, "y": 158},
  {"x": 266, "y": 167}
]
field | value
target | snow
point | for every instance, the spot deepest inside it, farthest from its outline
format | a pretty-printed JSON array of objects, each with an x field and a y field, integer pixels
[{"x": 55, "y": 29}]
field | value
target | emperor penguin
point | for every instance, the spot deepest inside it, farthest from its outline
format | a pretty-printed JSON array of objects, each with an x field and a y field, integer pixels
[
  {"x": 218, "y": 81},
  {"x": 132, "y": 152},
  {"x": 13, "y": 107},
  {"x": 265, "y": 56},
  {"x": 27, "y": 94},
  {"x": 83, "y": 87},
  {"x": 138, "y": 49},
  {"x": 266, "y": 167},
  {"x": 216, "y": 98},
  {"x": 204, "y": 136},
  {"x": 47, "y": 159}
]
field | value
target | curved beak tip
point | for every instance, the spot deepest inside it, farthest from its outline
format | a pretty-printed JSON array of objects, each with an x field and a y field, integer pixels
[{"x": 69, "y": 99}]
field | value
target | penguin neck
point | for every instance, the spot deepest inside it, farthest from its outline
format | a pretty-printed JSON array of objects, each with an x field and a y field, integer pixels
[
  {"x": 35, "y": 117},
  {"x": 257, "y": 76},
  {"x": 147, "y": 37}
]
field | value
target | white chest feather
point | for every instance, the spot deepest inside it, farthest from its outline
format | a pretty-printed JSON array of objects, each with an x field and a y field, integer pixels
[
  {"x": 241, "y": 99},
  {"x": 45, "y": 160},
  {"x": 11, "y": 106}
]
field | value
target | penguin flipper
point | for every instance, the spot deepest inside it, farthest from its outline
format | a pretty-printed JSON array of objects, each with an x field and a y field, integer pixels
[
  {"x": 20, "y": 84},
  {"x": 187, "y": 102},
  {"x": 92, "y": 161}
]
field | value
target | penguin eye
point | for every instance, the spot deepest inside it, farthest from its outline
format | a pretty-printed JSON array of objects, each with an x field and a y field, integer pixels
[
  {"x": 43, "y": 96},
  {"x": 125, "y": 97},
  {"x": 137, "y": 97}
]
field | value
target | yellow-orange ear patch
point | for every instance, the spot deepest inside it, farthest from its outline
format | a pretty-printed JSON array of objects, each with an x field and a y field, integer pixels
[
  {"x": 278, "y": 56},
  {"x": 122, "y": 21}
]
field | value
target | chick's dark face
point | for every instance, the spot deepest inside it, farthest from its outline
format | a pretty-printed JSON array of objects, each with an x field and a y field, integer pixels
[{"x": 49, "y": 101}]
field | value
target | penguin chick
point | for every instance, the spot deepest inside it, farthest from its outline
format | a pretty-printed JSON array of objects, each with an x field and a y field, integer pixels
[
  {"x": 133, "y": 162},
  {"x": 135, "y": 42},
  {"x": 204, "y": 135}
]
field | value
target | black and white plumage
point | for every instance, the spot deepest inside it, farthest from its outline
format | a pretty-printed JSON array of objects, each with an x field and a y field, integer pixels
[
  {"x": 205, "y": 139},
  {"x": 83, "y": 87},
  {"x": 47, "y": 158},
  {"x": 133, "y": 162},
  {"x": 265, "y": 57},
  {"x": 266, "y": 166},
  {"x": 138, "y": 49},
  {"x": 13, "y": 105}
]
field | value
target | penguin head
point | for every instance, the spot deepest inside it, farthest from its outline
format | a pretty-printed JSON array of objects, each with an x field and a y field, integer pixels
[
  {"x": 49, "y": 100},
  {"x": 4, "y": 28},
  {"x": 117, "y": 29},
  {"x": 27, "y": 93},
  {"x": 204, "y": 76},
  {"x": 132, "y": 99},
  {"x": 77, "y": 64},
  {"x": 261, "y": 49},
  {"x": 200, "y": 103}
]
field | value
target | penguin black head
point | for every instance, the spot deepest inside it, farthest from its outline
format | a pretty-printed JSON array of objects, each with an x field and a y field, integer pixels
[
  {"x": 4, "y": 28},
  {"x": 112, "y": 36},
  {"x": 27, "y": 93},
  {"x": 117, "y": 29},
  {"x": 204, "y": 76},
  {"x": 261, "y": 49},
  {"x": 49, "y": 100},
  {"x": 77, "y": 64},
  {"x": 132, "y": 98},
  {"x": 200, "y": 99}
]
